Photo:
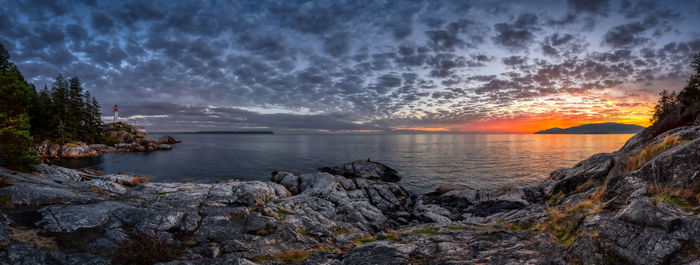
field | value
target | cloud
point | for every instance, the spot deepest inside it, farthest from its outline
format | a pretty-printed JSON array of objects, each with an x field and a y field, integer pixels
[
  {"x": 599, "y": 7},
  {"x": 517, "y": 35},
  {"x": 348, "y": 64}
]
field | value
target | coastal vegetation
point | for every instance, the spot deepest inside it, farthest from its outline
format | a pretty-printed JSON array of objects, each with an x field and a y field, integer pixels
[
  {"x": 65, "y": 113},
  {"x": 673, "y": 109},
  {"x": 640, "y": 158}
]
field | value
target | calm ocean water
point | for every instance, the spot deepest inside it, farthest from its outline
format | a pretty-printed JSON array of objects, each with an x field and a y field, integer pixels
[{"x": 485, "y": 161}]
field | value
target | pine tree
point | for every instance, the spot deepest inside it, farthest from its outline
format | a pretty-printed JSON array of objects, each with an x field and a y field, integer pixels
[
  {"x": 15, "y": 137},
  {"x": 691, "y": 92},
  {"x": 75, "y": 122},
  {"x": 59, "y": 106}
]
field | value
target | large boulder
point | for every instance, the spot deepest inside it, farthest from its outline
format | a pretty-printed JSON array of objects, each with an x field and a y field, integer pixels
[
  {"x": 78, "y": 150},
  {"x": 364, "y": 169}
]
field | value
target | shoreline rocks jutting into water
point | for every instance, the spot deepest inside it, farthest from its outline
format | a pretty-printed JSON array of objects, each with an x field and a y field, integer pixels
[
  {"x": 126, "y": 138},
  {"x": 608, "y": 209}
]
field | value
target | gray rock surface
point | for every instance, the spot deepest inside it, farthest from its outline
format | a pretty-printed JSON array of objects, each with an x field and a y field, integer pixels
[{"x": 593, "y": 213}]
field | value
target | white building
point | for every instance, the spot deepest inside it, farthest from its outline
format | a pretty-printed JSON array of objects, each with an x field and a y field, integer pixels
[{"x": 116, "y": 114}]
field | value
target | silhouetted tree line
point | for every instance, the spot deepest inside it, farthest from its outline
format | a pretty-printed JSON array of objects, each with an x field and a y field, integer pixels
[
  {"x": 675, "y": 110},
  {"x": 64, "y": 113}
]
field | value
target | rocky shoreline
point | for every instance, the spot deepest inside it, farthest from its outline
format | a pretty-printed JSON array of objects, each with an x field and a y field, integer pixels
[
  {"x": 599, "y": 212},
  {"x": 125, "y": 138}
]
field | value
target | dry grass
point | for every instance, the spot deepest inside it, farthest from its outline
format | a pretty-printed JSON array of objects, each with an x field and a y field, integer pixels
[
  {"x": 686, "y": 199},
  {"x": 136, "y": 181},
  {"x": 359, "y": 241},
  {"x": 587, "y": 185},
  {"x": 425, "y": 231},
  {"x": 98, "y": 191},
  {"x": 564, "y": 221},
  {"x": 236, "y": 216},
  {"x": 555, "y": 197},
  {"x": 340, "y": 230},
  {"x": 145, "y": 249},
  {"x": 638, "y": 160},
  {"x": 293, "y": 256},
  {"x": 31, "y": 237}
]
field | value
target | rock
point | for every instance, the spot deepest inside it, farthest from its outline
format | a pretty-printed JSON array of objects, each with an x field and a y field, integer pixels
[
  {"x": 260, "y": 225},
  {"x": 379, "y": 253},
  {"x": 102, "y": 149},
  {"x": 79, "y": 150},
  {"x": 107, "y": 186},
  {"x": 165, "y": 147},
  {"x": 364, "y": 169},
  {"x": 28, "y": 194},
  {"x": 48, "y": 149},
  {"x": 644, "y": 214},
  {"x": 567, "y": 180},
  {"x": 167, "y": 139},
  {"x": 124, "y": 179}
]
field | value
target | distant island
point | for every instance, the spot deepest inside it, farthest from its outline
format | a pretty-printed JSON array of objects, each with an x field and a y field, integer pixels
[
  {"x": 596, "y": 128},
  {"x": 226, "y": 132}
]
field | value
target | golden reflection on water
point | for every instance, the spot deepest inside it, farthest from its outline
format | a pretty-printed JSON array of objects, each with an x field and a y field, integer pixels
[{"x": 490, "y": 161}]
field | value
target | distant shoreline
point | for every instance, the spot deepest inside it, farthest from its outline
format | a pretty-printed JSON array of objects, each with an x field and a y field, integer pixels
[{"x": 218, "y": 132}]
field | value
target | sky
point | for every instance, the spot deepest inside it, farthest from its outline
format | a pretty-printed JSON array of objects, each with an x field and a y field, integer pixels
[{"x": 360, "y": 66}]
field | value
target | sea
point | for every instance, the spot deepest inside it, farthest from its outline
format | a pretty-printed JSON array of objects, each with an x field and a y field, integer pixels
[{"x": 425, "y": 161}]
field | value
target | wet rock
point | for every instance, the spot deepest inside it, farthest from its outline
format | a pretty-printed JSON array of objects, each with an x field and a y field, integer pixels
[
  {"x": 164, "y": 147},
  {"x": 167, "y": 139}
]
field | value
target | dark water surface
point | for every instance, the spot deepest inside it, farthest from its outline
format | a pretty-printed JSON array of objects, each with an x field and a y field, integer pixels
[{"x": 484, "y": 161}]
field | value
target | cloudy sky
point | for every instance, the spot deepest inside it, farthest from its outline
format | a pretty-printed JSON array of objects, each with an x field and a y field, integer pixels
[{"x": 360, "y": 66}]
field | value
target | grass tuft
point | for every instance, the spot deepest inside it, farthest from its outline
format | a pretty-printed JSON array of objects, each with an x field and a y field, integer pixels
[
  {"x": 649, "y": 152},
  {"x": 340, "y": 230},
  {"x": 563, "y": 222},
  {"x": 587, "y": 185},
  {"x": 425, "y": 231},
  {"x": 293, "y": 256},
  {"x": 686, "y": 199}
]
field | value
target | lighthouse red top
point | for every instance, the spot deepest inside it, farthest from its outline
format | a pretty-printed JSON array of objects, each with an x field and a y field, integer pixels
[{"x": 115, "y": 107}]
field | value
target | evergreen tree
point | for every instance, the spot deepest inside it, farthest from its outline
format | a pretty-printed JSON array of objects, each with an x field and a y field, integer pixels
[
  {"x": 41, "y": 114},
  {"x": 75, "y": 122},
  {"x": 691, "y": 92},
  {"x": 15, "y": 137},
  {"x": 59, "y": 108},
  {"x": 92, "y": 118}
]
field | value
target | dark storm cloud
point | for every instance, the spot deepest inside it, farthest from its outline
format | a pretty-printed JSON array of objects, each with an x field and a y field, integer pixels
[
  {"x": 348, "y": 65},
  {"x": 517, "y": 35}
]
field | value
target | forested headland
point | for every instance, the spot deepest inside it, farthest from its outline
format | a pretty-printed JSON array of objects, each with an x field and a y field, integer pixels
[{"x": 63, "y": 113}]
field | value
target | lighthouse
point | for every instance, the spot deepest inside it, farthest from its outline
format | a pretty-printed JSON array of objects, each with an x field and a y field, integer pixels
[{"x": 116, "y": 115}]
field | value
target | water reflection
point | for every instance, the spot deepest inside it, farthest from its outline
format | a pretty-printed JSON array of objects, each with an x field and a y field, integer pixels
[{"x": 484, "y": 161}]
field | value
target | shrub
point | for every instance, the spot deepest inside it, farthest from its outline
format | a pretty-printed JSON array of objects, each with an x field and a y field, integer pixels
[
  {"x": 144, "y": 249},
  {"x": 638, "y": 160}
]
